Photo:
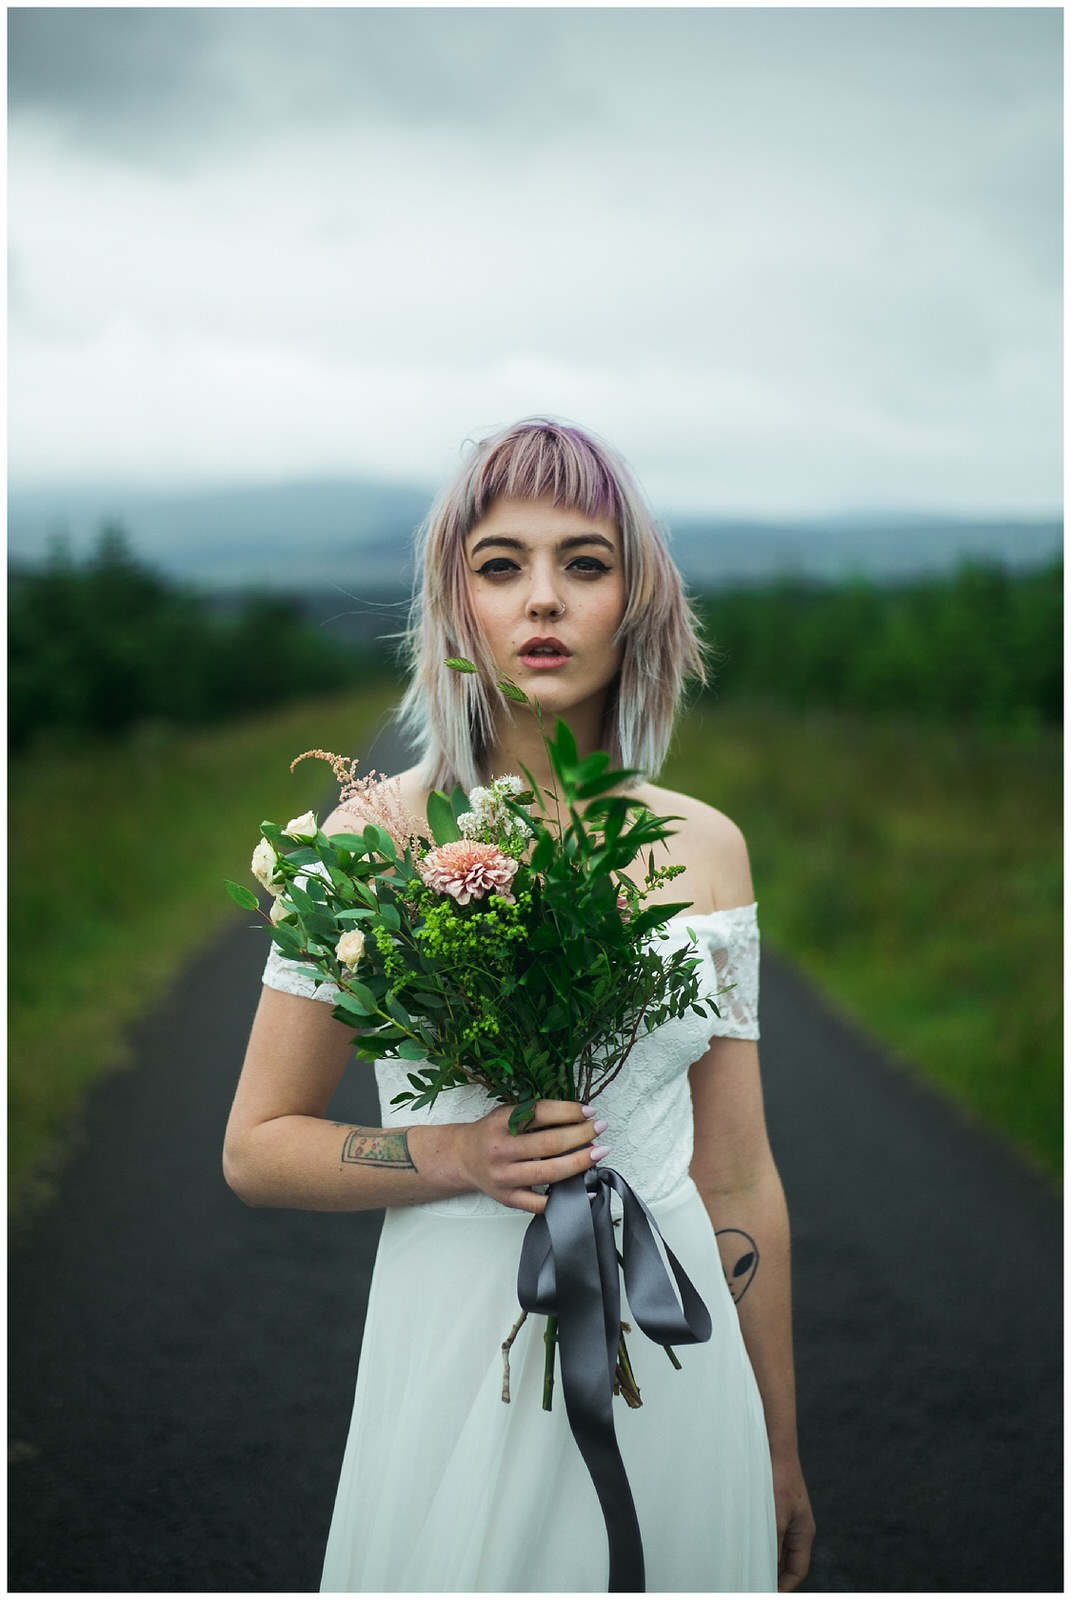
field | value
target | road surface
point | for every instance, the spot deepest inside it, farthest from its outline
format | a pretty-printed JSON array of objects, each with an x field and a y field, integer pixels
[{"x": 181, "y": 1368}]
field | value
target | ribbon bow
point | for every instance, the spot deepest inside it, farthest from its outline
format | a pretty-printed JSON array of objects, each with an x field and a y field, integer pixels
[{"x": 568, "y": 1269}]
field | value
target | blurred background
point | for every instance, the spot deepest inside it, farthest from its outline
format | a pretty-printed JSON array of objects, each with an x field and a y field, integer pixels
[{"x": 271, "y": 268}]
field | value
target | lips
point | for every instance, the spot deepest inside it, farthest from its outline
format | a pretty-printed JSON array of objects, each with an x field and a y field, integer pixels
[{"x": 548, "y": 652}]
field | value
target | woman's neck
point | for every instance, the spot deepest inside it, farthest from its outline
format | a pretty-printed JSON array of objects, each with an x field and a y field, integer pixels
[{"x": 519, "y": 742}]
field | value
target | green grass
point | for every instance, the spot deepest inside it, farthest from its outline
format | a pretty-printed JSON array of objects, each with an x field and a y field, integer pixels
[
  {"x": 117, "y": 859},
  {"x": 916, "y": 875}
]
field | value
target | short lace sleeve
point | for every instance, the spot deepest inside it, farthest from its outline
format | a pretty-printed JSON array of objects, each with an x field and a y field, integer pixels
[
  {"x": 294, "y": 977},
  {"x": 732, "y": 938}
]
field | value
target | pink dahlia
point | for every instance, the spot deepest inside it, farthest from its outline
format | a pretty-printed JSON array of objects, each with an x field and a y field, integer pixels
[{"x": 468, "y": 870}]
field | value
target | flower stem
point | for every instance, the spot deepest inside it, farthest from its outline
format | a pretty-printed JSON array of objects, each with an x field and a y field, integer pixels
[
  {"x": 550, "y": 1340},
  {"x": 507, "y": 1346},
  {"x": 625, "y": 1379}
]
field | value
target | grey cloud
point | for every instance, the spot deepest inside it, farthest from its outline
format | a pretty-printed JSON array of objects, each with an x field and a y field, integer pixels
[
  {"x": 143, "y": 82},
  {"x": 145, "y": 85}
]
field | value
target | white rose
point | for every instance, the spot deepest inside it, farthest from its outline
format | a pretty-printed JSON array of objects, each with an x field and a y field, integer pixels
[
  {"x": 350, "y": 948},
  {"x": 279, "y": 910},
  {"x": 264, "y": 867},
  {"x": 303, "y": 827}
]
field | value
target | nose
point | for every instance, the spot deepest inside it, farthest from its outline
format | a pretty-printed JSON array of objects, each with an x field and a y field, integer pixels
[{"x": 543, "y": 597}]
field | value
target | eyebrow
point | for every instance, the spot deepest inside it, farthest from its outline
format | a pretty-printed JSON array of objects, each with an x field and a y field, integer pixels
[{"x": 573, "y": 542}]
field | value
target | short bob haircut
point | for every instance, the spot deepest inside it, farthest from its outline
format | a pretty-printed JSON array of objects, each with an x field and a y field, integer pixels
[{"x": 452, "y": 715}]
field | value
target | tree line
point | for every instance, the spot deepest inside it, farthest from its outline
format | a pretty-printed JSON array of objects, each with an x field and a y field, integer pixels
[
  {"x": 100, "y": 646},
  {"x": 981, "y": 645}
]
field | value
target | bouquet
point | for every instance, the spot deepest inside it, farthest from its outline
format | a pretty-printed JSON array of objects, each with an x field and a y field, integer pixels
[
  {"x": 499, "y": 944},
  {"x": 508, "y": 942}
]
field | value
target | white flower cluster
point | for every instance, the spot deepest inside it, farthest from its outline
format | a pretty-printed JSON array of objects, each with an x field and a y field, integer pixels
[{"x": 490, "y": 819}]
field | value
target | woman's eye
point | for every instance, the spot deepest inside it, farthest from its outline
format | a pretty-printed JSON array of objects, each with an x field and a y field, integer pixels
[
  {"x": 588, "y": 564},
  {"x": 497, "y": 567}
]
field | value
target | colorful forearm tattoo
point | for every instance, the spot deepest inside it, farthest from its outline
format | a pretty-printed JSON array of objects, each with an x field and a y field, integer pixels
[{"x": 378, "y": 1147}]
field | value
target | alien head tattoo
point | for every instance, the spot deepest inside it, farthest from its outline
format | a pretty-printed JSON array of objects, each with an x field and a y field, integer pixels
[{"x": 744, "y": 1254}]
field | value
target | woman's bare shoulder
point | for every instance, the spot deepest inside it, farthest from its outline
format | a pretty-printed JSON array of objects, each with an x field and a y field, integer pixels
[
  {"x": 401, "y": 798},
  {"x": 709, "y": 844}
]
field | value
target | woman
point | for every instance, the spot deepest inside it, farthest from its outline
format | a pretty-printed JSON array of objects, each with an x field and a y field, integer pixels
[{"x": 541, "y": 563}]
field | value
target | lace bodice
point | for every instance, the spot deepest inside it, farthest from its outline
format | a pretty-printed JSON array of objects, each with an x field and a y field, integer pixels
[{"x": 648, "y": 1105}]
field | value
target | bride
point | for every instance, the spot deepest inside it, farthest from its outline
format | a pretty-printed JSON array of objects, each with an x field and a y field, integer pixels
[{"x": 542, "y": 563}]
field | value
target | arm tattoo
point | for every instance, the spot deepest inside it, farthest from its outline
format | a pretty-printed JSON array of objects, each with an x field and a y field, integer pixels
[
  {"x": 744, "y": 1253},
  {"x": 378, "y": 1147}
]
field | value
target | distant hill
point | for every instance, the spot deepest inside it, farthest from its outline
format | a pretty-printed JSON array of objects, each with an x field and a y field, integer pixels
[
  {"x": 289, "y": 535},
  {"x": 717, "y": 551},
  {"x": 356, "y": 535}
]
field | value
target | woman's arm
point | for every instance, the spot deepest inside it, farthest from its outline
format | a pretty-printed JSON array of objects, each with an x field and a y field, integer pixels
[
  {"x": 280, "y": 1151},
  {"x": 735, "y": 1174}
]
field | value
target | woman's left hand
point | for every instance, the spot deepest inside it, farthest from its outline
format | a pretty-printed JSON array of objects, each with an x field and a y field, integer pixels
[{"x": 795, "y": 1525}]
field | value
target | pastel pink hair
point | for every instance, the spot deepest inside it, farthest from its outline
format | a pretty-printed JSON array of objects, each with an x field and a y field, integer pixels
[{"x": 453, "y": 715}]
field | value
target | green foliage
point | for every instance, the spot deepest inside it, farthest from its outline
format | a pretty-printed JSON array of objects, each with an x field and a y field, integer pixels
[
  {"x": 916, "y": 873},
  {"x": 120, "y": 852},
  {"x": 97, "y": 649},
  {"x": 539, "y": 992},
  {"x": 984, "y": 646}
]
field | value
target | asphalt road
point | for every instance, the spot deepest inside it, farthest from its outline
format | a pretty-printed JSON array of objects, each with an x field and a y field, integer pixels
[{"x": 181, "y": 1368}]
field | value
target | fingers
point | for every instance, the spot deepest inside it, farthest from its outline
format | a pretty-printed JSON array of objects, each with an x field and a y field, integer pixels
[
  {"x": 794, "y": 1554},
  {"x": 525, "y": 1200},
  {"x": 566, "y": 1140},
  {"x": 552, "y": 1113},
  {"x": 556, "y": 1126}
]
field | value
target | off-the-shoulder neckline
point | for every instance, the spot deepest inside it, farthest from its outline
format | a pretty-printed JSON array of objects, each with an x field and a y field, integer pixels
[{"x": 708, "y": 916}]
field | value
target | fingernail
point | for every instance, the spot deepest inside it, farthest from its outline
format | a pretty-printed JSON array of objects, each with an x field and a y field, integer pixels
[
  {"x": 589, "y": 1111},
  {"x": 598, "y": 1151},
  {"x": 601, "y": 1126}
]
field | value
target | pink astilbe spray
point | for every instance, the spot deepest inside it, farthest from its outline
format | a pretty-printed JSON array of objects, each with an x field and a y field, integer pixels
[
  {"x": 468, "y": 870},
  {"x": 371, "y": 798}
]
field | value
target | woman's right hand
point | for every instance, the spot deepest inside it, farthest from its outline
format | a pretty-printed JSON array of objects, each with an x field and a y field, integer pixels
[{"x": 559, "y": 1143}]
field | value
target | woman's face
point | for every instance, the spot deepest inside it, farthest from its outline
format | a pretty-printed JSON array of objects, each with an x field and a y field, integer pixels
[{"x": 548, "y": 592}]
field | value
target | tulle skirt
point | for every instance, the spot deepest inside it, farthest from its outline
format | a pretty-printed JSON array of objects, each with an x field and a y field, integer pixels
[{"x": 444, "y": 1488}]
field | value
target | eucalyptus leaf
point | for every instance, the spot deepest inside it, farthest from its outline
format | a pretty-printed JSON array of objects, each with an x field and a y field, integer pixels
[
  {"x": 349, "y": 841},
  {"x": 563, "y": 745},
  {"x": 459, "y": 802},
  {"x": 520, "y": 1118},
  {"x": 441, "y": 819},
  {"x": 361, "y": 995},
  {"x": 289, "y": 940},
  {"x": 388, "y": 913},
  {"x": 241, "y": 895}
]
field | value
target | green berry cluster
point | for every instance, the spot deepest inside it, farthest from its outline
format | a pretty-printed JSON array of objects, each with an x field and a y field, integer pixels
[
  {"x": 393, "y": 963},
  {"x": 480, "y": 933}
]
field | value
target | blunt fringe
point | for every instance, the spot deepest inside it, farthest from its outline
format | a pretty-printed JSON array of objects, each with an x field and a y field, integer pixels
[{"x": 451, "y": 715}]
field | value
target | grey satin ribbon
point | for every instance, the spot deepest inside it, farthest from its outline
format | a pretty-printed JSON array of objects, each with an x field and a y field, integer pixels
[{"x": 568, "y": 1269}]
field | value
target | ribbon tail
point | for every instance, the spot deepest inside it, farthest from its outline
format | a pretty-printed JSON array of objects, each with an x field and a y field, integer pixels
[
  {"x": 587, "y": 1303},
  {"x": 568, "y": 1269},
  {"x": 647, "y": 1283}
]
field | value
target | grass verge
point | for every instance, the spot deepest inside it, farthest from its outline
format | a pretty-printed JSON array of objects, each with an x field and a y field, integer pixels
[
  {"x": 117, "y": 858},
  {"x": 916, "y": 874}
]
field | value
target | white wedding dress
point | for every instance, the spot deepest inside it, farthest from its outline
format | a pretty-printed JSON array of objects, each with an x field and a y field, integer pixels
[{"x": 444, "y": 1487}]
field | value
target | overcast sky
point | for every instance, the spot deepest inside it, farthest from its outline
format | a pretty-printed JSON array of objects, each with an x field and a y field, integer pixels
[{"x": 792, "y": 260}]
